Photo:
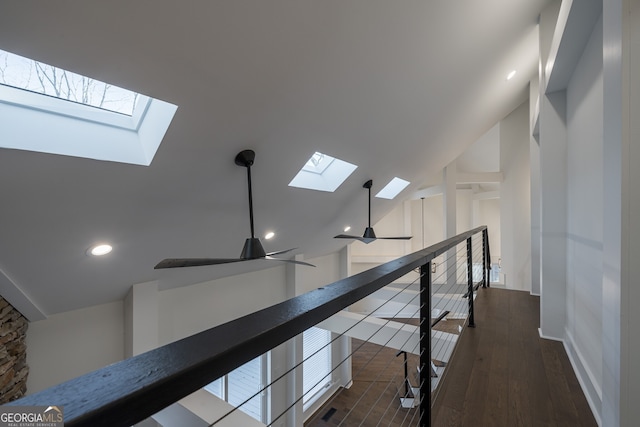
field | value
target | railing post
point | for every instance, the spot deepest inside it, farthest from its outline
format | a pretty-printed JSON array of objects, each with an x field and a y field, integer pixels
[
  {"x": 425, "y": 345},
  {"x": 485, "y": 274},
  {"x": 487, "y": 253},
  {"x": 470, "y": 281}
]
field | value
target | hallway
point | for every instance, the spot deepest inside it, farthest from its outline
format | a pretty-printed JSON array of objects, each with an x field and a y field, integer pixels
[{"x": 503, "y": 374}]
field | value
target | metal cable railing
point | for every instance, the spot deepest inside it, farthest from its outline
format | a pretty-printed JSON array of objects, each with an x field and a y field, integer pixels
[{"x": 393, "y": 354}]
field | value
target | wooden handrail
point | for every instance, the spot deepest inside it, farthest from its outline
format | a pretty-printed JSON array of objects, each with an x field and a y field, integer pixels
[{"x": 130, "y": 391}]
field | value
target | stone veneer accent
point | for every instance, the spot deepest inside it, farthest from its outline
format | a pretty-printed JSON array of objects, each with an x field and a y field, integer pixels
[{"x": 13, "y": 353}]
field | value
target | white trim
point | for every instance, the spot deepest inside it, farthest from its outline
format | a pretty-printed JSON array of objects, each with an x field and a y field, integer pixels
[
  {"x": 548, "y": 337},
  {"x": 61, "y": 107},
  {"x": 581, "y": 370},
  {"x": 585, "y": 377},
  {"x": 80, "y": 131},
  {"x": 19, "y": 300}
]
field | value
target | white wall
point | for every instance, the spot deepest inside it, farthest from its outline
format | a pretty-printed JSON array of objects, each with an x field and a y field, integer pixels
[
  {"x": 327, "y": 271},
  {"x": 192, "y": 309},
  {"x": 70, "y": 344},
  {"x": 489, "y": 215},
  {"x": 585, "y": 215},
  {"x": 88, "y": 339},
  {"x": 141, "y": 319},
  {"x": 433, "y": 222},
  {"x": 515, "y": 208},
  {"x": 464, "y": 210},
  {"x": 481, "y": 156},
  {"x": 603, "y": 204},
  {"x": 621, "y": 318},
  {"x": 392, "y": 224},
  {"x": 631, "y": 314},
  {"x": 534, "y": 186}
]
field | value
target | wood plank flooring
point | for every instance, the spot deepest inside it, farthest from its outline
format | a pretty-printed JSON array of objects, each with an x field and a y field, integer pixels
[
  {"x": 373, "y": 399},
  {"x": 502, "y": 374}
]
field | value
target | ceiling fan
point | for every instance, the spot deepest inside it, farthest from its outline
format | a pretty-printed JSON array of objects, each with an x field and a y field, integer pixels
[
  {"x": 252, "y": 247},
  {"x": 369, "y": 235}
]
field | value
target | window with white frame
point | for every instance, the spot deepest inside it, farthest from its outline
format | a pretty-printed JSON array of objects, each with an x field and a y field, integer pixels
[
  {"x": 316, "y": 368},
  {"x": 243, "y": 385}
]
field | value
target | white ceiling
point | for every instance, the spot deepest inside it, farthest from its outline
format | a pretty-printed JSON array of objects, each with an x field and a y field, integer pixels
[{"x": 399, "y": 88}]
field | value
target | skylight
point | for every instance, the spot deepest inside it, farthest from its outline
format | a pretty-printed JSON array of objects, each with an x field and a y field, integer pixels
[
  {"x": 392, "y": 189},
  {"x": 28, "y": 74},
  {"x": 50, "y": 110},
  {"x": 323, "y": 173},
  {"x": 318, "y": 163}
]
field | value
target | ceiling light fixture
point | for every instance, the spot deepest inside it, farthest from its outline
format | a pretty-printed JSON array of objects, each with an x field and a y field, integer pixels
[
  {"x": 100, "y": 250},
  {"x": 511, "y": 74},
  {"x": 269, "y": 235},
  {"x": 347, "y": 228}
]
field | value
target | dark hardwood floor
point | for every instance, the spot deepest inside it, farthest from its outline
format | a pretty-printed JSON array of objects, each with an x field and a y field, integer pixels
[
  {"x": 502, "y": 374},
  {"x": 373, "y": 399}
]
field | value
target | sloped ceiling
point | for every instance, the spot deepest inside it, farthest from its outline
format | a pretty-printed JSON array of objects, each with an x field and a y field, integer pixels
[{"x": 399, "y": 88}]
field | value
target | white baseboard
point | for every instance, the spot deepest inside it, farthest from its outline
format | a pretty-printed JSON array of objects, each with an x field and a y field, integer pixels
[
  {"x": 591, "y": 389},
  {"x": 546, "y": 337}
]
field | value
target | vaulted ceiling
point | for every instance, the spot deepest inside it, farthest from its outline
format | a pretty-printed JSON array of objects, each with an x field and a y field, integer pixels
[{"x": 399, "y": 88}]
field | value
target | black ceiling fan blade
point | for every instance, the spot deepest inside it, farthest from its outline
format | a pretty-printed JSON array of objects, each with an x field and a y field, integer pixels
[
  {"x": 360, "y": 238},
  {"x": 346, "y": 236},
  {"x": 280, "y": 252},
  {"x": 290, "y": 261},
  {"x": 194, "y": 262},
  {"x": 396, "y": 238}
]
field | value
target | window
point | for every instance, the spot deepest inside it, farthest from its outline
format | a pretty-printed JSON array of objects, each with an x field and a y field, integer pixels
[
  {"x": 478, "y": 272},
  {"x": 241, "y": 384},
  {"x": 494, "y": 273},
  {"x": 316, "y": 368}
]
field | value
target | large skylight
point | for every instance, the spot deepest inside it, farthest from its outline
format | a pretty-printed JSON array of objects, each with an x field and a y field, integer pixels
[
  {"x": 392, "y": 189},
  {"x": 28, "y": 74},
  {"x": 50, "y": 110},
  {"x": 323, "y": 173}
]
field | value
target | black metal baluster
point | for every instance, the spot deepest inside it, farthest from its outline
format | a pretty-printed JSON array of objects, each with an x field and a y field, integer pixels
[
  {"x": 470, "y": 281},
  {"x": 425, "y": 345}
]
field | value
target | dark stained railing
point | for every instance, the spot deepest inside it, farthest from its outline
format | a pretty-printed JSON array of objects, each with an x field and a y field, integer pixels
[{"x": 129, "y": 391}]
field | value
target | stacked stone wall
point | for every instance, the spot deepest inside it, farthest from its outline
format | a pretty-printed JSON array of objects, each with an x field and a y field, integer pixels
[{"x": 13, "y": 353}]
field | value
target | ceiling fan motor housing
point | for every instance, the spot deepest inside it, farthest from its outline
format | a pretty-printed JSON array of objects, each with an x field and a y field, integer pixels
[
  {"x": 252, "y": 249},
  {"x": 369, "y": 233}
]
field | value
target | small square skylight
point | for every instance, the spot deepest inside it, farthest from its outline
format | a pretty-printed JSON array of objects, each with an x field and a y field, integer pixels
[
  {"x": 318, "y": 163},
  {"x": 392, "y": 189},
  {"x": 323, "y": 173}
]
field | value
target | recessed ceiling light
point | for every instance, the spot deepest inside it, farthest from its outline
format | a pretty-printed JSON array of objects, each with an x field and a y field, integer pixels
[
  {"x": 100, "y": 250},
  {"x": 269, "y": 235},
  {"x": 511, "y": 74},
  {"x": 347, "y": 228}
]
